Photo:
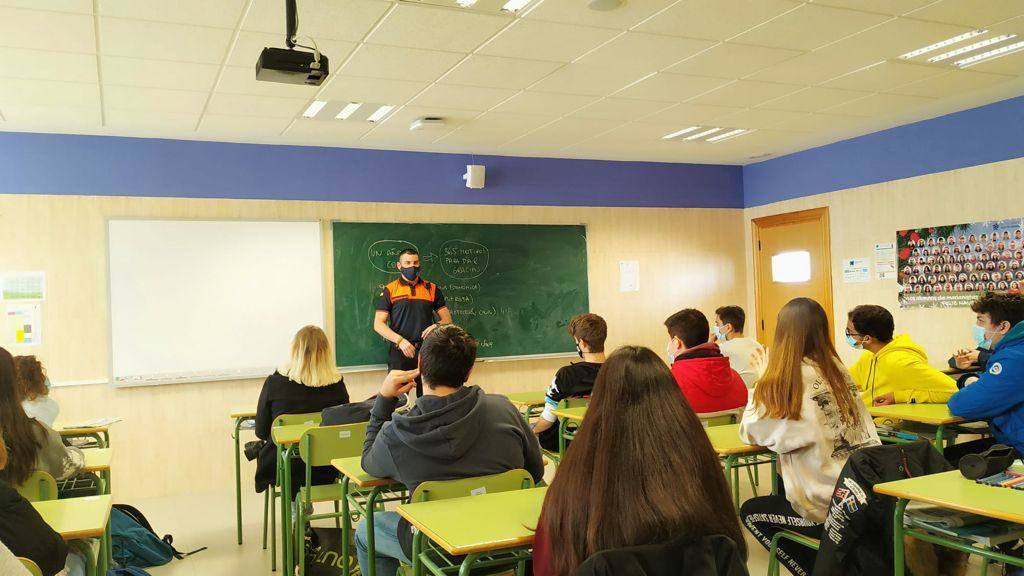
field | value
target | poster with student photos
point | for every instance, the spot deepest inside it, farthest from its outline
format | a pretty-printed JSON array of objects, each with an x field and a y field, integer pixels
[{"x": 950, "y": 266}]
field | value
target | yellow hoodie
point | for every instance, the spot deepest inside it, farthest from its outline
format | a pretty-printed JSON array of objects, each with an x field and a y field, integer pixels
[{"x": 901, "y": 367}]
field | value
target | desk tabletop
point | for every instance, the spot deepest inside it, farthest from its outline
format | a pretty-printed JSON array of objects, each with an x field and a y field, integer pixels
[
  {"x": 726, "y": 441},
  {"x": 479, "y": 523},
  {"x": 526, "y": 399},
  {"x": 97, "y": 459},
  {"x": 76, "y": 518},
  {"x": 951, "y": 490},
  {"x": 932, "y": 414},
  {"x": 288, "y": 435},
  {"x": 576, "y": 413},
  {"x": 80, "y": 430},
  {"x": 352, "y": 468},
  {"x": 247, "y": 412}
]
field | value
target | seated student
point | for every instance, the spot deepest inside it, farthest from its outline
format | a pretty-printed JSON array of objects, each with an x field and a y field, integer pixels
[
  {"x": 454, "y": 431},
  {"x": 575, "y": 380},
  {"x": 34, "y": 388},
  {"x": 729, "y": 321},
  {"x": 702, "y": 372},
  {"x": 997, "y": 396},
  {"x": 308, "y": 382},
  {"x": 892, "y": 370},
  {"x": 806, "y": 410},
  {"x": 598, "y": 479},
  {"x": 31, "y": 444}
]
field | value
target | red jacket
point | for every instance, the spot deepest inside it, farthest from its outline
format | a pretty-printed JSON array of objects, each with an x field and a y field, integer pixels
[{"x": 707, "y": 380}]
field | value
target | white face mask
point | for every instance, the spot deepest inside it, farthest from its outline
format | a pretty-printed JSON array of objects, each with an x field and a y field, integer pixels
[{"x": 670, "y": 352}]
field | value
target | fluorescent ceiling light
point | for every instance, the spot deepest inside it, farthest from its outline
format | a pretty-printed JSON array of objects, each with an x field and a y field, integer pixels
[
  {"x": 515, "y": 5},
  {"x": 703, "y": 133},
  {"x": 998, "y": 52},
  {"x": 943, "y": 44},
  {"x": 348, "y": 110},
  {"x": 727, "y": 135},
  {"x": 680, "y": 132},
  {"x": 314, "y": 108},
  {"x": 971, "y": 47},
  {"x": 380, "y": 113}
]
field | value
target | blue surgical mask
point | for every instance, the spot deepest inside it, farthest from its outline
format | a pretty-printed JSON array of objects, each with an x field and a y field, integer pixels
[
  {"x": 981, "y": 337},
  {"x": 853, "y": 342},
  {"x": 410, "y": 273},
  {"x": 718, "y": 333}
]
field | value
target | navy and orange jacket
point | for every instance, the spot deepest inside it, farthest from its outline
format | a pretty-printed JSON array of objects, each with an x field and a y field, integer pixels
[{"x": 707, "y": 381}]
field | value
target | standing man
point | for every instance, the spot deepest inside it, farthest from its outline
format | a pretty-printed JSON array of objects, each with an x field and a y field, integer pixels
[{"x": 405, "y": 313}]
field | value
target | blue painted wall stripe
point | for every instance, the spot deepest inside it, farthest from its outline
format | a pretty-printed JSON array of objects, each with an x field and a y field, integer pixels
[
  {"x": 115, "y": 166},
  {"x": 990, "y": 133}
]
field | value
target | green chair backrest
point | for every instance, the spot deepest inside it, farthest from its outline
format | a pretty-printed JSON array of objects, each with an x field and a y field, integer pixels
[
  {"x": 574, "y": 402},
  {"x": 293, "y": 419},
  {"x": 31, "y": 566},
  {"x": 721, "y": 418},
  {"x": 40, "y": 486},
  {"x": 517, "y": 479},
  {"x": 319, "y": 446}
]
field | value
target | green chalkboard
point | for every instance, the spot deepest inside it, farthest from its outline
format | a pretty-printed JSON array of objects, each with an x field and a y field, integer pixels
[{"x": 514, "y": 287}]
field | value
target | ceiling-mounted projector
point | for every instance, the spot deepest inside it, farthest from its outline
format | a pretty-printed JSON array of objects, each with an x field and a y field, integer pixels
[{"x": 288, "y": 65}]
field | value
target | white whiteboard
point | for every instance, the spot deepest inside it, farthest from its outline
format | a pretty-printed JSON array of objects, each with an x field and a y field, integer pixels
[{"x": 207, "y": 300}]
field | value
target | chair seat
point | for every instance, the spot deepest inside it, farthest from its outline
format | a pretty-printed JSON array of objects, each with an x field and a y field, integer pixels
[{"x": 322, "y": 493}]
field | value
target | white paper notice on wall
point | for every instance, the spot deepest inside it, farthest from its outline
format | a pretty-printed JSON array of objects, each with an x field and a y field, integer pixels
[
  {"x": 885, "y": 261},
  {"x": 23, "y": 286},
  {"x": 22, "y": 325},
  {"x": 629, "y": 276},
  {"x": 856, "y": 270}
]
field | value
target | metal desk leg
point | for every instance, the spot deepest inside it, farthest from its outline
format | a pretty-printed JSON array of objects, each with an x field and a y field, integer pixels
[
  {"x": 467, "y": 564},
  {"x": 938, "y": 437},
  {"x": 346, "y": 526},
  {"x": 238, "y": 478},
  {"x": 563, "y": 423},
  {"x": 897, "y": 537},
  {"x": 286, "y": 513},
  {"x": 732, "y": 478},
  {"x": 371, "y": 550},
  {"x": 417, "y": 549},
  {"x": 775, "y": 475}
]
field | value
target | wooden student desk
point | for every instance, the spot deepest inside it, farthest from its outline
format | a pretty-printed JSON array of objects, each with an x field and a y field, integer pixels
[
  {"x": 79, "y": 519},
  {"x": 951, "y": 490},
  {"x": 529, "y": 403},
  {"x": 937, "y": 415},
  {"x": 477, "y": 527},
  {"x": 101, "y": 434},
  {"x": 98, "y": 461},
  {"x": 240, "y": 416},
  {"x": 287, "y": 440},
  {"x": 362, "y": 492}
]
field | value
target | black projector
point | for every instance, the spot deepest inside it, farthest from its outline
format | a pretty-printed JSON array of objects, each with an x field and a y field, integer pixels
[{"x": 291, "y": 67}]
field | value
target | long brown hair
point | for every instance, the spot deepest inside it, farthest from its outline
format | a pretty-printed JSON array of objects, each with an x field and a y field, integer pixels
[
  {"x": 31, "y": 377},
  {"x": 640, "y": 471},
  {"x": 801, "y": 333},
  {"x": 22, "y": 445}
]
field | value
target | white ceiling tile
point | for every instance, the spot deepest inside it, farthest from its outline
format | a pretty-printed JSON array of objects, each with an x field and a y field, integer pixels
[
  {"x": 715, "y": 19},
  {"x": 146, "y": 123},
  {"x": 153, "y": 99},
  {"x": 322, "y": 19},
  {"x": 567, "y": 131},
  {"x": 893, "y": 38},
  {"x": 249, "y": 45},
  {"x": 241, "y": 128},
  {"x": 644, "y": 52},
  {"x": 430, "y": 28},
  {"x": 50, "y": 118},
  {"x": 317, "y": 132},
  {"x": 745, "y": 93},
  {"x": 356, "y": 89},
  {"x": 813, "y": 99},
  {"x": 504, "y": 123},
  {"x": 822, "y": 123},
  {"x": 683, "y": 115},
  {"x": 620, "y": 109},
  {"x": 118, "y": 70},
  {"x": 461, "y": 97},
  {"x": 239, "y": 80},
  {"x": 758, "y": 118},
  {"x": 263, "y": 106},
  {"x": 375, "y": 61},
  {"x": 220, "y": 13},
  {"x": 666, "y": 87},
  {"x": 163, "y": 41},
  {"x": 885, "y": 76},
  {"x": 733, "y": 60},
  {"x": 497, "y": 72},
  {"x": 1009, "y": 64},
  {"x": 639, "y": 132},
  {"x": 880, "y": 105},
  {"x": 19, "y": 92},
  {"x": 31, "y": 63},
  {"x": 970, "y": 12},
  {"x": 79, "y": 6},
  {"x": 537, "y": 40},
  {"x": 544, "y": 103},
  {"x": 625, "y": 16},
  {"x": 58, "y": 31},
  {"x": 952, "y": 82},
  {"x": 890, "y": 7},
  {"x": 587, "y": 80},
  {"x": 810, "y": 26}
]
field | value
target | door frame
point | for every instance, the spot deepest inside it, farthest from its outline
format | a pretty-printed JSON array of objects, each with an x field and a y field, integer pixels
[{"x": 757, "y": 224}]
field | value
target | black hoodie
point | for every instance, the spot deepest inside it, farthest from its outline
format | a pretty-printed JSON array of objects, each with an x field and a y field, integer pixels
[{"x": 463, "y": 435}]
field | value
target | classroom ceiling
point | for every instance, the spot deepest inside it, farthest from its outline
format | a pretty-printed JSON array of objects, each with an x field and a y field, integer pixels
[{"x": 558, "y": 79}]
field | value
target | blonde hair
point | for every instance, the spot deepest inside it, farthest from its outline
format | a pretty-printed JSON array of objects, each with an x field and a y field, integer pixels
[
  {"x": 311, "y": 363},
  {"x": 802, "y": 334}
]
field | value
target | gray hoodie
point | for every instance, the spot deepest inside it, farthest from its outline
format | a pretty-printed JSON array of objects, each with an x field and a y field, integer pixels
[{"x": 462, "y": 435}]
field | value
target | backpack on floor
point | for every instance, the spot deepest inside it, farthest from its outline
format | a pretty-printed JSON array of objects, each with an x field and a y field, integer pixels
[
  {"x": 130, "y": 571},
  {"x": 135, "y": 544}
]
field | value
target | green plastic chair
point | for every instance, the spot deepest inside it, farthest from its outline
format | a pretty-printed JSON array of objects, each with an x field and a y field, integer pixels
[
  {"x": 556, "y": 457},
  {"x": 273, "y": 492},
  {"x": 317, "y": 447},
  {"x": 39, "y": 487},
  {"x": 773, "y": 550},
  {"x": 31, "y": 566}
]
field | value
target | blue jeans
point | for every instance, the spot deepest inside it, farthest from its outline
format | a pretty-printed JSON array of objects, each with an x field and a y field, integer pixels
[{"x": 387, "y": 550}]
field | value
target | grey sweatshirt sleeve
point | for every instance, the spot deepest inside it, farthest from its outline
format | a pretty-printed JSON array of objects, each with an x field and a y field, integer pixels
[
  {"x": 62, "y": 462},
  {"x": 377, "y": 459},
  {"x": 531, "y": 450}
]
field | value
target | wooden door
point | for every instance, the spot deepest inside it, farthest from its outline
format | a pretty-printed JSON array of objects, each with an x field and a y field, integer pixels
[{"x": 791, "y": 259}]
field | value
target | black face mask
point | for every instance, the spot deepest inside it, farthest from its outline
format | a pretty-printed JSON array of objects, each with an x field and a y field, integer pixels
[{"x": 410, "y": 273}]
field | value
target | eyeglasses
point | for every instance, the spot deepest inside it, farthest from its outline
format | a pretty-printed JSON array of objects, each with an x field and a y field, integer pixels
[{"x": 852, "y": 334}]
